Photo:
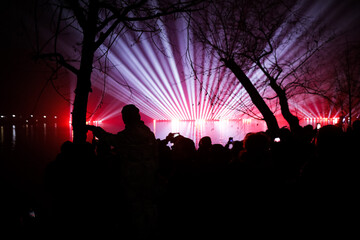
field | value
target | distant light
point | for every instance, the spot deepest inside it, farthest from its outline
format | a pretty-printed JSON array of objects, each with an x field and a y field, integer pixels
[
  {"x": 31, "y": 115},
  {"x": 201, "y": 121},
  {"x": 32, "y": 213},
  {"x": 44, "y": 116},
  {"x": 55, "y": 117},
  {"x": 13, "y": 116},
  {"x": 26, "y": 120},
  {"x": 2, "y": 116}
]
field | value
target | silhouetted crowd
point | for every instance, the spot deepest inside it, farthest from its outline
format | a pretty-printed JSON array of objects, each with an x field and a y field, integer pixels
[{"x": 133, "y": 186}]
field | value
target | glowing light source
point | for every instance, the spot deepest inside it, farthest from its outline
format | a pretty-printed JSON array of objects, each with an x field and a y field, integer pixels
[
  {"x": 175, "y": 125},
  {"x": 199, "y": 121},
  {"x": 162, "y": 83},
  {"x": 247, "y": 120}
]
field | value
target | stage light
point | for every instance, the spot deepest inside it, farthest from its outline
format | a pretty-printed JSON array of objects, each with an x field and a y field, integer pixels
[
  {"x": 175, "y": 125},
  {"x": 163, "y": 86},
  {"x": 199, "y": 121},
  {"x": 31, "y": 115},
  {"x": 247, "y": 120},
  {"x": 13, "y": 115},
  {"x": 44, "y": 116}
]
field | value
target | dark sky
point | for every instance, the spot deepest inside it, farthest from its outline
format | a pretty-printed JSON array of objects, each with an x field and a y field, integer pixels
[{"x": 22, "y": 81}]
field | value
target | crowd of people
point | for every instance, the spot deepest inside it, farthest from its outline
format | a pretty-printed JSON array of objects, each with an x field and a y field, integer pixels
[{"x": 135, "y": 186}]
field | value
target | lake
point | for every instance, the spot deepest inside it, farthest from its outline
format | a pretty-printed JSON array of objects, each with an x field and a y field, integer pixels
[{"x": 26, "y": 149}]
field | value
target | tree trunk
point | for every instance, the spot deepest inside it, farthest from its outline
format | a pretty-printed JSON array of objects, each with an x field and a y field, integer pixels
[
  {"x": 80, "y": 105},
  {"x": 284, "y": 104},
  {"x": 256, "y": 98},
  {"x": 83, "y": 86}
]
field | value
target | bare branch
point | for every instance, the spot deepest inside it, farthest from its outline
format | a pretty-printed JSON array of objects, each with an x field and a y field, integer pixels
[
  {"x": 58, "y": 58},
  {"x": 78, "y": 12}
]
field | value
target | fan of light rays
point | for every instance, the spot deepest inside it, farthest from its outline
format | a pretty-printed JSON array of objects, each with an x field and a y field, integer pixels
[
  {"x": 162, "y": 83},
  {"x": 156, "y": 74}
]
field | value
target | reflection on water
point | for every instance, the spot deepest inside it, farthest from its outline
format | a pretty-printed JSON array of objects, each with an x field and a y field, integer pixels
[
  {"x": 25, "y": 151},
  {"x": 2, "y": 135},
  {"x": 13, "y": 138},
  {"x": 219, "y": 131},
  {"x": 45, "y": 131}
]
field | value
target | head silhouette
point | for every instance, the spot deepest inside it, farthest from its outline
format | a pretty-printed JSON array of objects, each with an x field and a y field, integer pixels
[
  {"x": 256, "y": 142},
  {"x": 205, "y": 142},
  {"x": 130, "y": 114},
  {"x": 329, "y": 139}
]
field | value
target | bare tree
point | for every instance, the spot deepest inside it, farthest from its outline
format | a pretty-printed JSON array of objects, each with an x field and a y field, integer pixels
[
  {"x": 271, "y": 37},
  {"x": 223, "y": 28},
  {"x": 292, "y": 41},
  {"x": 346, "y": 79},
  {"x": 95, "y": 25}
]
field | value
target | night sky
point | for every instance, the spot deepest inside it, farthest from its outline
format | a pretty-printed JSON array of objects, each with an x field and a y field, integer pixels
[
  {"x": 22, "y": 79},
  {"x": 23, "y": 83}
]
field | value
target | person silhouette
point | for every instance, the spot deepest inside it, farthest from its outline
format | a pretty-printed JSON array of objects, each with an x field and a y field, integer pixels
[{"x": 135, "y": 172}]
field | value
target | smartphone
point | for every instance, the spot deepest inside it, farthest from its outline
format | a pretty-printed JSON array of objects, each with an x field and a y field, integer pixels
[
  {"x": 231, "y": 140},
  {"x": 318, "y": 126},
  {"x": 277, "y": 139}
]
